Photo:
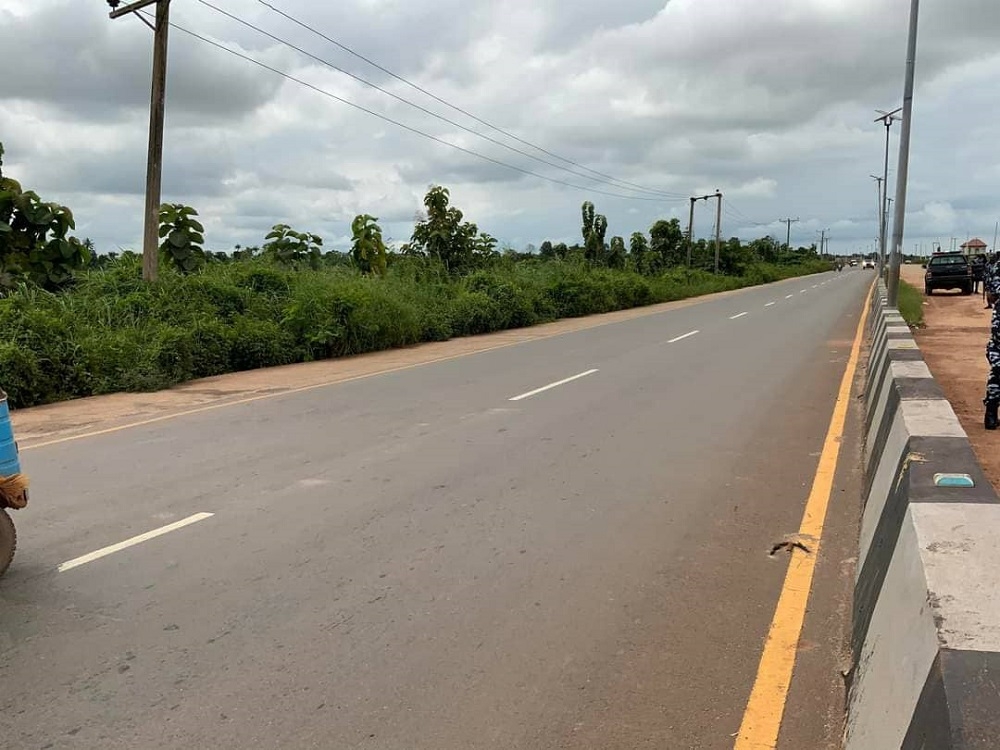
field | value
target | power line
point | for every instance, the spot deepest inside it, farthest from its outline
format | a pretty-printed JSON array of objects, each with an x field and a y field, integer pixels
[
  {"x": 436, "y": 98},
  {"x": 739, "y": 215},
  {"x": 410, "y": 128},
  {"x": 398, "y": 98}
]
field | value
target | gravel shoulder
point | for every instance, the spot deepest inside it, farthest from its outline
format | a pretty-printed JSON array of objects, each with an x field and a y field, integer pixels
[{"x": 953, "y": 341}]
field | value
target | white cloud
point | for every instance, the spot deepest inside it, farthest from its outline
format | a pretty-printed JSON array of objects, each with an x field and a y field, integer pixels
[{"x": 770, "y": 101}]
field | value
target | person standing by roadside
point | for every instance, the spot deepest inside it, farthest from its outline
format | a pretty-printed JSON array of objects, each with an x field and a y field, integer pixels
[
  {"x": 991, "y": 280},
  {"x": 978, "y": 263},
  {"x": 992, "y": 400}
]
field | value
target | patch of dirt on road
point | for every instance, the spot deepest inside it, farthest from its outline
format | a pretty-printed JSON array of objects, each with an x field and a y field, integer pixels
[{"x": 953, "y": 342}]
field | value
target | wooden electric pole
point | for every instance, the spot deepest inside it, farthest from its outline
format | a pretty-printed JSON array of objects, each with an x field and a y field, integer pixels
[
  {"x": 788, "y": 234},
  {"x": 691, "y": 223},
  {"x": 718, "y": 229},
  {"x": 157, "y": 106},
  {"x": 690, "y": 229}
]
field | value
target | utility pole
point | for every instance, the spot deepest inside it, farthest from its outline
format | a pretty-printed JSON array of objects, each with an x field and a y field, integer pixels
[
  {"x": 157, "y": 106},
  {"x": 690, "y": 230},
  {"x": 691, "y": 224},
  {"x": 996, "y": 231},
  {"x": 718, "y": 229},
  {"x": 788, "y": 233},
  {"x": 822, "y": 240},
  {"x": 904, "y": 157}
]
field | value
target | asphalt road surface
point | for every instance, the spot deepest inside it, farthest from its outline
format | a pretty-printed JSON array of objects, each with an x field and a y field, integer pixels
[{"x": 440, "y": 558}]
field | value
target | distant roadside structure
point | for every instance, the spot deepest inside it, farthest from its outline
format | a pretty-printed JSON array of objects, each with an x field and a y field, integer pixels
[{"x": 975, "y": 246}]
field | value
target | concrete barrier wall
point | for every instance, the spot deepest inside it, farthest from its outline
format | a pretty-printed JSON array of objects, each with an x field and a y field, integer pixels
[{"x": 926, "y": 621}]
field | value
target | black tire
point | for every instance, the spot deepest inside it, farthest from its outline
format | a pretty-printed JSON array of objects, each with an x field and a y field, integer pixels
[
  {"x": 928, "y": 290},
  {"x": 8, "y": 540},
  {"x": 967, "y": 289}
]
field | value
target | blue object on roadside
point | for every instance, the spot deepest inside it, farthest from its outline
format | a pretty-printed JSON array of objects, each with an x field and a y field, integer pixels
[
  {"x": 10, "y": 464},
  {"x": 953, "y": 480}
]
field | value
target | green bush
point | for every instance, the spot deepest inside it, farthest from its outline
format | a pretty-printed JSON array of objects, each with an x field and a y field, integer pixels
[{"x": 113, "y": 332}]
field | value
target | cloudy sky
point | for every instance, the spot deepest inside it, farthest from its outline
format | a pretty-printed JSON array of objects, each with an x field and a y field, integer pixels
[{"x": 770, "y": 101}]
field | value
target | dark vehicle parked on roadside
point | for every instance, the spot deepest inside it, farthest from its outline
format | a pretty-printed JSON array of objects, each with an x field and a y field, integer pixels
[{"x": 948, "y": 271}]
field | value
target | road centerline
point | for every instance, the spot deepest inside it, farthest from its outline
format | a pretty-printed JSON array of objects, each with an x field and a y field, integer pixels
[
  {"x": 550, "y": 386},
  {"x": 769, "y": 304},
  {"x": 111, "y": 549},
  {"x": 738, "y": 315},
  {"x": 789, "y": 296},
  {"x": 683, "y": 336}
]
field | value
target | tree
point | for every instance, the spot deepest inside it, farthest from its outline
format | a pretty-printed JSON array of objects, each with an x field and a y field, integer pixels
[
  {"x": 587, "y": 209},
  {"x": 595, "y": 228},
  {"x": 484, "y": 246},
  {"x": 368, "y": 249},
  {"x": 639, "y": 251},
  {"x": 616, "y": 253},
  {"x": 442, "y": 235},
  {"x": 34, "y": 241},
  {"x": 546, "y": 250},
  {"x": 245, "y": 253},
  {"x": 666, "y": 241},
  {"x": 292, "y": 248},
  {"x": 766, "y": 249},
  {"x": 182, "y": 237},
  {"x": 735, "y": 257}
]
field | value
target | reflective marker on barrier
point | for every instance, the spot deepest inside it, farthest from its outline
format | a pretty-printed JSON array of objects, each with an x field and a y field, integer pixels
[{"x": 953, "y": 480}]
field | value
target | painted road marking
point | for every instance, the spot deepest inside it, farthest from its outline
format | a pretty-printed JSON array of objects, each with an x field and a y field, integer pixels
[
  {"x": 803, "y": 291},
  {"x": 599, "y": 322},
  {"x": 734, "y": 317},
  {"x": 770, "y": 303},
  {"x": 789, "y": 296},
  {"x": 553, "y": 385},
  {"x": 815, "y": 286},
  {"x": 104, "y": 552},
  {"x": 766, "y": 706},
  {"x": 681, "y": 338}
]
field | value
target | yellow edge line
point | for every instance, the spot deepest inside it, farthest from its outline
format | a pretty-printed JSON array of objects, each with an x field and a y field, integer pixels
[
  {"x": 677, "y": 304},
  {"x": 766, "y": 706}
]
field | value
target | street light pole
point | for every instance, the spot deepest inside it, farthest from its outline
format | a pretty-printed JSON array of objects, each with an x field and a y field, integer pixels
[
  {"x": 887, "y": 119},
  {"x": 880, "y": 210},
  {"x": 904, "y": 157}
]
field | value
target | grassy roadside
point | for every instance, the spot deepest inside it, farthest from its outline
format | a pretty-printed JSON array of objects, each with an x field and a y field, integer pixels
[
  {"x": 911, "y": 304},
  {"x": 111, "y": 332}
]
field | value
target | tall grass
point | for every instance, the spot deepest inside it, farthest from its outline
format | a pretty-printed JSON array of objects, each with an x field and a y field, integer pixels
[
  {"x": 113, "y": 332},
  {"x": 911, "y": 304}
]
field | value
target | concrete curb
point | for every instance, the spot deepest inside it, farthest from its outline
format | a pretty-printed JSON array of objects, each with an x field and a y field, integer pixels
[{"x": 926, "y": 620}]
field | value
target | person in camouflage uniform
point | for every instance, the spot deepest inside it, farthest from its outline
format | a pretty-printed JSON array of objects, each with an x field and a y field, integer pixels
[
  {"x": 991, "y": 280},
  {"x": 992, "y": 400}
]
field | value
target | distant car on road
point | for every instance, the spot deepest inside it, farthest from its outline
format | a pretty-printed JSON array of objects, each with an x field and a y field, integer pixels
[
  {"x": 868, "y": 264},
  {"x": 854, "y": 262},
  {"x": 948, "y": 271}
]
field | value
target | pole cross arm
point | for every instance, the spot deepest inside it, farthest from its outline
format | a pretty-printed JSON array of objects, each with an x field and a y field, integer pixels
[{"x": 119, "y": 10}]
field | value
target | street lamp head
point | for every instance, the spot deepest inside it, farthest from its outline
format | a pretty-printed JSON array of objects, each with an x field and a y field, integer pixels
[{"x": 114, "y": 4}]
